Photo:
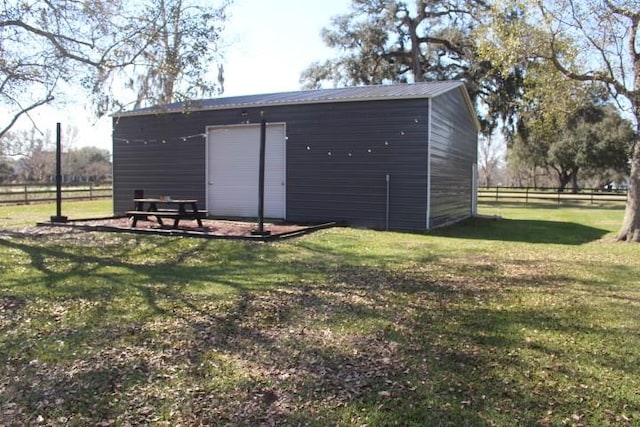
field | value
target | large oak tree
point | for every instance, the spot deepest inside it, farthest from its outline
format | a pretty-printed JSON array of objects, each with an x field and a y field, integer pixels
[
  {"x": 594, "y": 41},
  {"x": 594, "y": 139},
  {"x": 383, "y": 41}
]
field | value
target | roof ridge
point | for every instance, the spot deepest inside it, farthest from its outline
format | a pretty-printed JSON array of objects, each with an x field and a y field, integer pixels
[{"x": 308, "y": 96}]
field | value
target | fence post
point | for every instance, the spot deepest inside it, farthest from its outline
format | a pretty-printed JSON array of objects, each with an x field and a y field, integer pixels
[
  {"x": 90, "y": 191},
  {"x": 526, "y": 196},
  {"x": 558, "y": 197},
  {"x": 26, "y": 194},
  {"x": 497, "y": 189}
]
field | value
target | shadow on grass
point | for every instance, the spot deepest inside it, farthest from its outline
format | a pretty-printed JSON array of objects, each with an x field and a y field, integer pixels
[
  {"x": 523, "y": 230},
  {"x": 316, "y": 340},
  {"x": 613, "y": 206}
]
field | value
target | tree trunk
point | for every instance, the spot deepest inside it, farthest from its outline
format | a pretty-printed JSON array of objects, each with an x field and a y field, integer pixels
[
  {"x": 563, "y": 179},
  {"x": 630, "y": 230},
  {"x": 574, "y": 182},
  {"x": 416, "y": 65}
]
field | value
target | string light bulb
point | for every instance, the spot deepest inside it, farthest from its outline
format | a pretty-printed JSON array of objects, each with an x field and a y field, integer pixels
[{"x": 163, "y": 141}]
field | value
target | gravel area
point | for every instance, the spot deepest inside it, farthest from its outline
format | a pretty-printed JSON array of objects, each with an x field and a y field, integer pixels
[{"x": 211, "y": 227}]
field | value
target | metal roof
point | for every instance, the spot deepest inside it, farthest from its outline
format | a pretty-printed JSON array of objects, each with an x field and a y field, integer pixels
[{"x": 349, "y": 94}]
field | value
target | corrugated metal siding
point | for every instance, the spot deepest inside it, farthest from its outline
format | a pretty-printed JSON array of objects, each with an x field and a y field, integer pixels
[
  {"x": 338, "y": 156},
  {"x": 141, "y": 160},
  {"x": 454, "y": 149}
]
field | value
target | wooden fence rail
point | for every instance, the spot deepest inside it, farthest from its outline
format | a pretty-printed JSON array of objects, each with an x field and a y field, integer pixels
[
  {"x": 530, "y": 194},
  {"x": 24, "y": 194},
  {"x": 36, "y": 193}
]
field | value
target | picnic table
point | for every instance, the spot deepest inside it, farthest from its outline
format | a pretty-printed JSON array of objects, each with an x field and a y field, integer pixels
[{"x": 176, "y": 209}]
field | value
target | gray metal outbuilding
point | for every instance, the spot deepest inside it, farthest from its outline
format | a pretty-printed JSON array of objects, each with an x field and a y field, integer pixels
[{"x": 400, "y": 157}]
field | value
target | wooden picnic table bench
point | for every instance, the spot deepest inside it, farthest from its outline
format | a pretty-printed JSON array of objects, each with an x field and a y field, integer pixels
[{"x": 177, "y": 209}]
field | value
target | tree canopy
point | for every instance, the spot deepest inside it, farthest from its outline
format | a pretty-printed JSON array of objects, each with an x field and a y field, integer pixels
[
  {"x": 391, "y": 42},
  {"x": 50, "y": 48},
  {"x": 595, "y": 41},
  {"x": 594, "y": 139},
  {"x": 184, "y": 38}
]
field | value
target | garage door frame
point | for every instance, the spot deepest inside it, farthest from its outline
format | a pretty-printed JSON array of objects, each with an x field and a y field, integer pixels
[{"x": 277, "y": 210}]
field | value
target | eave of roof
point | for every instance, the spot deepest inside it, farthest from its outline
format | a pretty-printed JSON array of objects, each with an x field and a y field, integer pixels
[{"x": 424, "y": 90}]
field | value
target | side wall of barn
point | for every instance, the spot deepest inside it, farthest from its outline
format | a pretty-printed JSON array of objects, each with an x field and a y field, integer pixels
[{"x": 453, "y": 155}]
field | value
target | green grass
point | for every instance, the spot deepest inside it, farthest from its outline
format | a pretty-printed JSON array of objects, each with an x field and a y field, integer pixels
[
  {"x": 13, "y": 216},
  {"x": 529, "y": 320}
]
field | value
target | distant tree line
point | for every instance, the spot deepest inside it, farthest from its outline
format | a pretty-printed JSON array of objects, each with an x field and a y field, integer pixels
[
  {"x": 591, "y": 151},
  {"x": 30, "y": 157}
]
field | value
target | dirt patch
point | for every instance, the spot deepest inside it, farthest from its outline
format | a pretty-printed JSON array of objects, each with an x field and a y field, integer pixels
[{"x": 210, "y": 227}]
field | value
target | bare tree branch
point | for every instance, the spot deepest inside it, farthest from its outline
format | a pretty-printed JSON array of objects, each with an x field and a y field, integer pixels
[
  {"x": 451, "y": 46},
  {"x": 23, "y": 111},
  {"x": 621, "y": 11},
  {"x": 607, "y": 78},
  {"x": 54, "y": 40}
]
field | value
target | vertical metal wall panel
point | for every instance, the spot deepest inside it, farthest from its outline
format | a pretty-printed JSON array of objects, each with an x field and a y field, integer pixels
[
  {"x": 148, "y": 154},
  {"x": 337, "y": 159},
  {"x": 453, "y": 145}
]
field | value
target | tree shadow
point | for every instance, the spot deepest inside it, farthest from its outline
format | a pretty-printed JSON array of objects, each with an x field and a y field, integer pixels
[
  {"x": 324, "y": 342},
  {"x": 555, "y": 206},
  {"x": 523, "y": 230}
]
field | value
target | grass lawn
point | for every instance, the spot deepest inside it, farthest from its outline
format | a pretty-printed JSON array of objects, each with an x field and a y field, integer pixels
[
  {"x": 531, "y": 320},
  {"x": 27, "y": 215}
]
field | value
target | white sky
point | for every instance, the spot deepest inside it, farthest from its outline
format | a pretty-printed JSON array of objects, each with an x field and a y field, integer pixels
[
  {"x": 273, "y": 41},
  {"x": 268, "y": 44}
]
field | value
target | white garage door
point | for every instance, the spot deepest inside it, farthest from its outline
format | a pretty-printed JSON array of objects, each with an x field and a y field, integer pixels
[{"x": 233, "y": 171}]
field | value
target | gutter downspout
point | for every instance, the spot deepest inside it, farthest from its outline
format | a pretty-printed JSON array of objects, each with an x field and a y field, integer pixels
[{"x": 387, "y": 217}]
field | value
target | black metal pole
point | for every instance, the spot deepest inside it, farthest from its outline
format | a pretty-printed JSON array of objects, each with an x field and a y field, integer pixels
[
  {"x": 58, "y": 171},
  {"x": 58, "y": 217},
  {"x": 263, "y": 143}
]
